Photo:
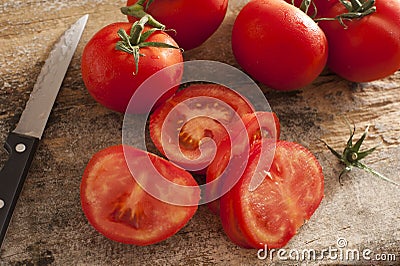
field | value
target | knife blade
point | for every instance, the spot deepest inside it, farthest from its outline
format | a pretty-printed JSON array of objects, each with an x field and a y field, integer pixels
[{"x": 22, "y": 142}]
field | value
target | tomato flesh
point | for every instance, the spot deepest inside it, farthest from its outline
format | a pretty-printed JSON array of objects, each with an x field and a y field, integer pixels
[
  {"x": 117, "y": 206},
  {"x": 191, "y": 118},
  {"x": 259, "y": 126},
  {"x": 288, "y": 196}
]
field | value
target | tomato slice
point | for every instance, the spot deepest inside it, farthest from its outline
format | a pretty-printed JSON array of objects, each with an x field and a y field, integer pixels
[
  {"x": 288, "y": 196},
  {"x": 117, "y": 206},
  {"x": 258, "y": 126},
  {"x": 183, "y": 126}
]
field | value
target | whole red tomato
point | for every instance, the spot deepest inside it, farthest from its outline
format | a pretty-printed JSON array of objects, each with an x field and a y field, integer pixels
[
  {"x": 110, "y": 75},
  {"x": 193, "y": 20},
  {"x": 367, "y": 48},
  {"x": 278, "y": 44}
]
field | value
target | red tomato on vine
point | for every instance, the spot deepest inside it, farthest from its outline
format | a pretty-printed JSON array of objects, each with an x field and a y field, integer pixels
[
  {"x": 193, "y": 21},
  {"x": 278, "y": 45},
  {"x": 364, "y": 40},
  {"x": 112, "y": 73}
]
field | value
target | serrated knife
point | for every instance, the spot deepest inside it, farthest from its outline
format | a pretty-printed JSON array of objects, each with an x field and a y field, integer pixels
[{"x": 22, "y": 142}]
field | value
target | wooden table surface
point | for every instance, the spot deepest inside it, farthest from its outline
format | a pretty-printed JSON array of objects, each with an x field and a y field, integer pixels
[{"x": 48, "y": 226}]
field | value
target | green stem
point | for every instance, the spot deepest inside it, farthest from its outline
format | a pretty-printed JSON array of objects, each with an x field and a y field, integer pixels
[
  {"x": 372, "y": 171},
  {"x": 358, "y": 2},
  {"x": 137, "y": 10},
  {"x": 356, "y": 10},
  {"x": 137, "y": 30},
  {"x": 305, "y": 5}
]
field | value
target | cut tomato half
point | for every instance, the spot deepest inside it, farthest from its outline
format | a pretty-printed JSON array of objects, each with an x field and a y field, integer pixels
[
  {"x": 117, "y": 206},
  {"x": 272, "y": 213},
  {"x": 182, "y": 128}
]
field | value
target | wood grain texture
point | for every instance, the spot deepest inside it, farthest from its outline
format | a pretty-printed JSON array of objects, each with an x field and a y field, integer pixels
[{"x": 49, "y": 228}]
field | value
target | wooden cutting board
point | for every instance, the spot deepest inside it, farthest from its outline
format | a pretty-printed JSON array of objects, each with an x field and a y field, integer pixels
[{"x": 49, "y": 227}]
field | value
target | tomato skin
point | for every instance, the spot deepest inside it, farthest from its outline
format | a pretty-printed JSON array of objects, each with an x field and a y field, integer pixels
[
  {"x": 196, "y": 128},
  {"x": 369, "y": 48},
  {"x": 110, "y": 195},
  {"x": 278, "y": 45},
  {"x": 272, "y": 214},
  {"x": 109, "y": 76},
  {"x": 230, "y": 223},
  {"x": 194, "y": 21},
  {"x": 267, "y": 120}
]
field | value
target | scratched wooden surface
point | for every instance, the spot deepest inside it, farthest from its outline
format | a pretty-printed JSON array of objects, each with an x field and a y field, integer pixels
[{"x": 49, "y": 228}]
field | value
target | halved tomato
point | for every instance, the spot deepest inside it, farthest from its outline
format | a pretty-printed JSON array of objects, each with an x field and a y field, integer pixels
[
  {"x": 183, "y": 126},
  {"x": 258, "y": 126},
  {"x": 118, "y": 207},
  {"x": 272, "y": 213}
]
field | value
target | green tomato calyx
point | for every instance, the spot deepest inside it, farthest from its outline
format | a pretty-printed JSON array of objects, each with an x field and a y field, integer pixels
[
  {"x": 352, "y": 155},
  {"x": 131, "y": 43}
]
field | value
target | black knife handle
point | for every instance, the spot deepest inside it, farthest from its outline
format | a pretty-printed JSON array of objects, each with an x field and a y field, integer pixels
[{"x": 21, "y": 150}]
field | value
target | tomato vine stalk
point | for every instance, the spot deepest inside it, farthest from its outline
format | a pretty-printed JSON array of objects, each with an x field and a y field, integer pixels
[
  {"x": 138, "y": 10},
  {"x": 305, "y": 6},
  {"x": 356, "y": 9}
]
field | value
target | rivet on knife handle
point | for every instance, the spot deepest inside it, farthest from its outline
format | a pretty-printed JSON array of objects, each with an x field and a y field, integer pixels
[
  {"x": 22, "y": 142},
  {"x": 21, "y": 150}
]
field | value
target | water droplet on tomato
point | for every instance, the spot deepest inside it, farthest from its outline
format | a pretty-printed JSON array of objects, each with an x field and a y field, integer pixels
[{"x": 155, "y": 57}]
